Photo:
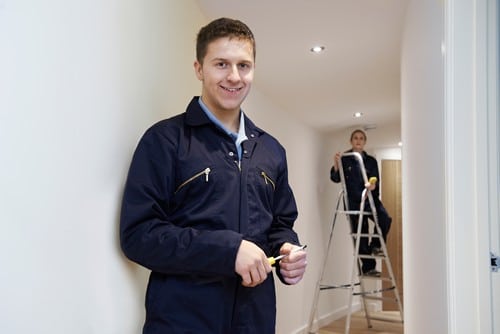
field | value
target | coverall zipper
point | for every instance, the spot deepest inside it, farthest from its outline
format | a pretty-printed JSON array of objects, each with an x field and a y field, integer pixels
[{"x": 206, "y": 171}]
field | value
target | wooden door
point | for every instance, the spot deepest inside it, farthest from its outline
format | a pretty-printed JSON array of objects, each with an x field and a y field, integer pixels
[{"x": 391, "y": 198}]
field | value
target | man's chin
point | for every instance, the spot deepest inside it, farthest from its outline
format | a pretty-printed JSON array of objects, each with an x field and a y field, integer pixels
[{"x": 232, "y": 104}]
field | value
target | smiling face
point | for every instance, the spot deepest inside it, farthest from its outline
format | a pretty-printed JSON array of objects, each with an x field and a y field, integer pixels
[
  {"x": 226, "y": 73},
  {"x": 358, "y": 141}
]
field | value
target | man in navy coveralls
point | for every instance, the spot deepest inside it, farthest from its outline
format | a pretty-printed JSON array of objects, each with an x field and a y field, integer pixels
[{"x": 207, "y": 201}]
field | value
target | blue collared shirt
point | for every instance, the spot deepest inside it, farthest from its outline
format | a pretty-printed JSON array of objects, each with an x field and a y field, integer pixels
[{"x": 238, "y": 138}]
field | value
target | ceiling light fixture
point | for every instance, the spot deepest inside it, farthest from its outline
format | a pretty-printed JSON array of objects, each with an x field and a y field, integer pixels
[
  {"x": 358, "y": 114},
  {"x": 317, "y": 49}
]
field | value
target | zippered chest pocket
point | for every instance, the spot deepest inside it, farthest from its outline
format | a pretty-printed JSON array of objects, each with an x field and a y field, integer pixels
[
  {"x": 268, "y": 180},
  {"x": 265, "y": 183},
  {"x": 203, "y": 174},
  {"x": 196, "y": 188},
  {"x": 262, "y": 190}
]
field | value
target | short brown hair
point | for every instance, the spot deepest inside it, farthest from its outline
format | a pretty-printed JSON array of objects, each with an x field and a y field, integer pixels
[{"x": 222, "y": 27}]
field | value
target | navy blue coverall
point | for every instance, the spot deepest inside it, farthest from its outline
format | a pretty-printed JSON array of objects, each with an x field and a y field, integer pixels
[
  {"x": 187, "y": 205},
  {"x": 355, "y": 186}
]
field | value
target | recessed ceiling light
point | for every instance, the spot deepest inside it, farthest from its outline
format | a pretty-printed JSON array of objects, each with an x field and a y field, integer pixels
[
  {"x": 317, "y": 49},
  {"x": 358, "y": 114}
]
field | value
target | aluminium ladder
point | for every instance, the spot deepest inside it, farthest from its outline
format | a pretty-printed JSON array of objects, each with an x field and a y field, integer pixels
[{"x": 356, "y": 286}]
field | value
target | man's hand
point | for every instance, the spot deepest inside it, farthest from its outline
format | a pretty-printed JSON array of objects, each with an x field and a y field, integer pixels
[
  {"x": 251, "y": 264},
  {"x": 293, "y": 266}
]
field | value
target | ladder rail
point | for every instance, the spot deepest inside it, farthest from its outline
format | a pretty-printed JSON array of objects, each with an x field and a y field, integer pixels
[
  {"x": 356, "y": 265},
  {"x": 323, "y": 268}
]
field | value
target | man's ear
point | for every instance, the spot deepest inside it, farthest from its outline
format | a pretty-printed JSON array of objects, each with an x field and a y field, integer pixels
[{"x": 198, "y": 70}]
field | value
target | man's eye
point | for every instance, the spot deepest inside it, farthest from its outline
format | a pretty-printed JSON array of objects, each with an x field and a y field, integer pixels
[
  {"x": 244, "y": 66},
  {"x": 221, "y": 65}
]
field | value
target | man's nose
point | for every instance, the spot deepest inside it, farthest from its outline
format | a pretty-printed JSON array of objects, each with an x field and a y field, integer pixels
[{"x": 234, "y": 74}]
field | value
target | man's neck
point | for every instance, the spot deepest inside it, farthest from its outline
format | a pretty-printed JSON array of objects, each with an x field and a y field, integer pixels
[{"x": 229, "y": 118}]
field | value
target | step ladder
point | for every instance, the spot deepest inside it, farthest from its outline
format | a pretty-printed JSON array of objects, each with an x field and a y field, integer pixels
[{"x": 358, "y": 282}]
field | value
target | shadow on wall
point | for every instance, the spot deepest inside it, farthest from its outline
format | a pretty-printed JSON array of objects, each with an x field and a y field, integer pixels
[{"x": 136, "y": 275}]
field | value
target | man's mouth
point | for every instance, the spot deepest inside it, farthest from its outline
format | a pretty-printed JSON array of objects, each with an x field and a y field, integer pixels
[{"x": 232, "y": 90}]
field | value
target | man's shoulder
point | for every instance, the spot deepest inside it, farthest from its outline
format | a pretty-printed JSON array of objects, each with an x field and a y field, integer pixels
[
  {"x": 193, "y": 115},
  {"x": 259, "y": 133},
  {"x": 165, "y": 130},
  {"x": 167, "y": 124},
  {"x": 268, "y": 139}
]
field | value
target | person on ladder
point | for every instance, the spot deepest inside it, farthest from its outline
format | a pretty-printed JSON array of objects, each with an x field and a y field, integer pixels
[{"x": 355, "y": 186}]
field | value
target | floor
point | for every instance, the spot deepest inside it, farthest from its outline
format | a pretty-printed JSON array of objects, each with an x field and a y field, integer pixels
[{"x": 359, "y": 324}]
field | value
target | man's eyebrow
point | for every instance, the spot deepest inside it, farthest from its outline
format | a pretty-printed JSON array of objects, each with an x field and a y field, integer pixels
[
  {"x": 225, "y": 60},
  {"x": 218, "y": 59}
]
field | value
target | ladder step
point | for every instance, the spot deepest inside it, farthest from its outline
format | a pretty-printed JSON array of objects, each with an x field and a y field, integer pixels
[
  {"x": 372, "y": 292},
  {"x": 371, "y": 256},
  {"x": 340, "y": 286},
  {"x": 387, "y": 299},
  {"x": 385, "y": 319},
  {"x": 373, "y": 235},
  {"x": 354, "y": 212}
]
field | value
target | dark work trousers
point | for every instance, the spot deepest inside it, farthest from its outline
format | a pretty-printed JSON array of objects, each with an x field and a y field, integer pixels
[{"x": 365, "y": 247}]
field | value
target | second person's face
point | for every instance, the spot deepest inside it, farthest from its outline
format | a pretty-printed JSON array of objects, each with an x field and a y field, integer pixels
[
  {"x": 358, "y": 142},
  {"x": 226, "y": 74}
]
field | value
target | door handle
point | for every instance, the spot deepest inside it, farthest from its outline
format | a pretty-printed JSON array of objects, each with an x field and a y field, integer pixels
[{"x": 495, "y": 262}]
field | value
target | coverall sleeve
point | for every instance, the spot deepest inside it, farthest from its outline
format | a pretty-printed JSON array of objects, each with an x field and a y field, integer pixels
[
  {"x": 148, "y": 237},
  {"x": 334, "y": 175}
]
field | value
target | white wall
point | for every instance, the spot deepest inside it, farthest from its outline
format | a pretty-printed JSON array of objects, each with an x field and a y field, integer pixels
[
  {"x": 80, "y": 82},
  {"x": 424, "y": 237}
]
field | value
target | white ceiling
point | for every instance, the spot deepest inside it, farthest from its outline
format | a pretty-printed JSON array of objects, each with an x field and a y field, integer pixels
[{"x": 358, "y": 72}]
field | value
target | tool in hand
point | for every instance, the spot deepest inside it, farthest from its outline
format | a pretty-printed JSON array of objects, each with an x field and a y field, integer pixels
[
  {"x": 273, "y": 260},
  {"x": 372, "y": 180}
]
